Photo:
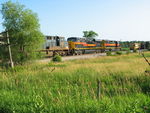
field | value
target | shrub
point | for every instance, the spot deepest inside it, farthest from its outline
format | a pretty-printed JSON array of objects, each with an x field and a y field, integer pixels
[
  {"x": 118, "y": 52},
  {"x": 57, "y": 58},
  {"x": 108, "y": 53}
]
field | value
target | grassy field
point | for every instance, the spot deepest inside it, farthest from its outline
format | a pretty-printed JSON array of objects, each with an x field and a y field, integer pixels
[{"x": 71, "y": 86}]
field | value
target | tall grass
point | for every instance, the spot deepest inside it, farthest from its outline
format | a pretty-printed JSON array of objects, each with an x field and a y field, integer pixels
[{"x": 71, "y": 86}]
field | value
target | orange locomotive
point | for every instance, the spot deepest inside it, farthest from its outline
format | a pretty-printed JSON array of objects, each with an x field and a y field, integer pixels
[{"x": 82, "y": 45}]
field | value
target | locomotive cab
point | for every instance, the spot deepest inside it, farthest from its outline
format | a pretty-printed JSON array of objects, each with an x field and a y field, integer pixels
[{"x": 53, "y": 42}]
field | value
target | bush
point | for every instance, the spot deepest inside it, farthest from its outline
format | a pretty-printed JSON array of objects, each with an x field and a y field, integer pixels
[
  {"x": 57, "y": 58},
  {"x": 108, "y": 53},
  {"x": 118, "y": 52}
]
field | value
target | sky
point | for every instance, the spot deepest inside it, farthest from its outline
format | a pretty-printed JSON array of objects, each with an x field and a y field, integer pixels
[{"x": 111, "y": 19}]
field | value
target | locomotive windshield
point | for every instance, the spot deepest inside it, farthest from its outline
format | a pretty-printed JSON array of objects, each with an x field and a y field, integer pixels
[{"x": 73, "y": 39}]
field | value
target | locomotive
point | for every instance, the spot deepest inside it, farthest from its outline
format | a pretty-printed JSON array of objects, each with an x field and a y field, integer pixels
[
  {"x": 77, "y": 45},
  {"x": 81, "y": 45}
]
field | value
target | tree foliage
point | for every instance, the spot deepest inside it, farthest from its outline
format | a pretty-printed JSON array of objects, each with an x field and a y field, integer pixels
[
  {"x": 90, "y": 34},
  {"x": 24, "y": 31}
]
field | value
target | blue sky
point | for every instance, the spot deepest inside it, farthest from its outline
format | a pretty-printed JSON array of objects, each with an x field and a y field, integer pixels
[{"x": 111, "y": 19}]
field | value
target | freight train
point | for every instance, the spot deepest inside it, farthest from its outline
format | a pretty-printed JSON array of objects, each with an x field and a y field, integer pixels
[{"x": 76, "y": 45}]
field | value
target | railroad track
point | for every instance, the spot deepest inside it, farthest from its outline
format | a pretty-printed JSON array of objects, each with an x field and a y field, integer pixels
[
  {"x": 65, "y": 58},
  {"x": 83, "y": 56}
]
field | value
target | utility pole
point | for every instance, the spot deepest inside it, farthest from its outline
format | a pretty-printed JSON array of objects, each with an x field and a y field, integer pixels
[{"x": 9, "y": 49}]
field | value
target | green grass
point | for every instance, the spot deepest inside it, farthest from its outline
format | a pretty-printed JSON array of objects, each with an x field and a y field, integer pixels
[{"x": 71, "y": 86}]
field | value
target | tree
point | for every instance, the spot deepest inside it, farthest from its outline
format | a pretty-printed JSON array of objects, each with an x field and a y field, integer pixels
[
  {"x": 90, "y": 34},
  {"x": 24, "y": 31}
]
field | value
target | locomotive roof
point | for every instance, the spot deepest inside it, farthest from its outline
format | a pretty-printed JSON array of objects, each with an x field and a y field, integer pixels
[
  {"x": 77, "y": 37},
  {"x": 104, "y": 39},
  {"x": 95, "y": 39}
]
